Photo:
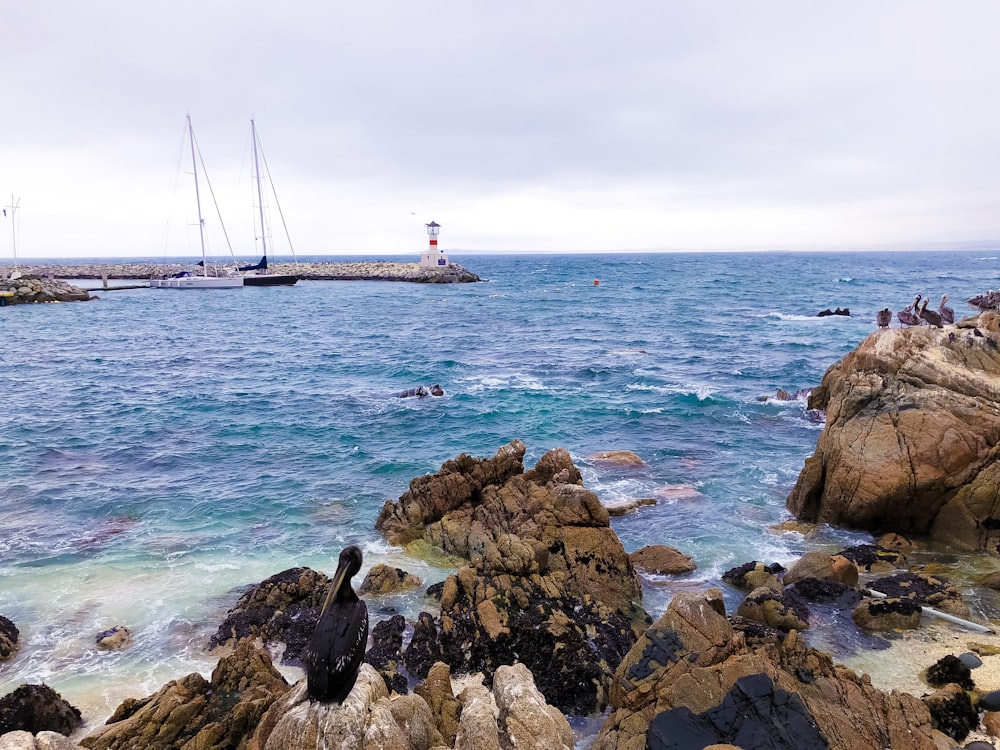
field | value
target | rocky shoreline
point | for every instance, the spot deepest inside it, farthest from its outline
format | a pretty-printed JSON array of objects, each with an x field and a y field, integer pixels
[
  {"x": 317, "y": 271},
  {"x": 543, "y": 617}
]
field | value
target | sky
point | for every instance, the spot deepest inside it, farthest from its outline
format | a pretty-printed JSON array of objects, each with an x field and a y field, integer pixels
[{"x": 544, "y": 126}]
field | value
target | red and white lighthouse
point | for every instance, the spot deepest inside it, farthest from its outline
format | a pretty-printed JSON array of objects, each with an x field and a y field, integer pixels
[{"x": 434, "y": 257}]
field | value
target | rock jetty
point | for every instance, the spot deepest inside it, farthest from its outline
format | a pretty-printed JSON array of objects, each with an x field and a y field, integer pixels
[
  {"x": 912, "y": 436},
  {"x": 30, "y": 288},
  {"x": 318, "y": 271}
]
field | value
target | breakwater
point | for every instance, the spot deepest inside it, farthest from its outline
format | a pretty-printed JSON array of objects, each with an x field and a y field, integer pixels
[{"x": 316, "y": 271}]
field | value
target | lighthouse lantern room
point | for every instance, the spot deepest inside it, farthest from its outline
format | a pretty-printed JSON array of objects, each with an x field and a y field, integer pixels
[{"x": 434, "y": 257}]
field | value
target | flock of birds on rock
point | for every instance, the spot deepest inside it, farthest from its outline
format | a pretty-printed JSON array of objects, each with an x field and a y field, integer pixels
[{"x": 917, "y": 314}]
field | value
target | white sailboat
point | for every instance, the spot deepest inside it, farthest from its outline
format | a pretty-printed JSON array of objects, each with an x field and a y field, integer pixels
[{"x": 194, "y": 280}]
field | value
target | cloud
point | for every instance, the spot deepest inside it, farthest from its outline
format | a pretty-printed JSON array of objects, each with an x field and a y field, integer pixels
[{"x": 519, "y": 126}]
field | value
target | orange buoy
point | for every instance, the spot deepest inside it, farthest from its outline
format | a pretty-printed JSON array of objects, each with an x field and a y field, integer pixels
[{"x": 596, "y": 282}]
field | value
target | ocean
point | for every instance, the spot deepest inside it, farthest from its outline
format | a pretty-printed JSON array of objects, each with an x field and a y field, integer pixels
[{"x": 162, "y": 449}]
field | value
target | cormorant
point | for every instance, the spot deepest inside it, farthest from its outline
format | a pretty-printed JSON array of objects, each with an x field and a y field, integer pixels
[
  {"x": 930, "y": 316},
  {"x": 947, "y": 313},
  {"x": 337, "y": 646},
  {"x": 907, "y": 316},
  {"x": 883, "y": 318}
]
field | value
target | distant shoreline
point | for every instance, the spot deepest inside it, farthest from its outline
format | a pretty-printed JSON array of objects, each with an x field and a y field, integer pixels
[{"x": 321, "y": 271}]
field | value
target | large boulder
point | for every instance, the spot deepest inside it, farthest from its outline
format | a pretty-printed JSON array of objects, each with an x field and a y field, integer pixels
[
  {"x": 693, "y": 658},
  {"x": 38, "y": 708},
  {"x": 193, "y": 712},
  {"x": 912, "y": 436},
  {"x": 548, "y": 583},
  {"x": 283, "y": 608}
]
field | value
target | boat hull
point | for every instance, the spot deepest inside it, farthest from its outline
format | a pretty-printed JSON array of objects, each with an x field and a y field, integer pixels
[
  {"x": 270, "y": 280},
  {"x": 198, "y": 282}
]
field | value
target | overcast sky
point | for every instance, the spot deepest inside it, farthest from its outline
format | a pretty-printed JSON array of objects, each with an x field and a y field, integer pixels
[{"x": 518, "y": 126}]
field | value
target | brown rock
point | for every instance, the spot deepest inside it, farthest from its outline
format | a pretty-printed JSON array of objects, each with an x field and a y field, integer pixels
[
  {"x": 525, "y": 719},
  {"x": 912, "y": 436},
  {"x": 991, "y": 723},
  {"x": 691, "y": 657},
  {"x": 771, "y": 608},
  {"x": 662, "y": 559},
  {"x": 8, "y": 638},
  {"x": 384, "y": 579},
  {"x": 477, "y": 729},
  {"x": 617, "y": 458},
  {"x": 195, "y": 713},
  {"x": 823, "y": 566},
  {"x": 445, "y": 707},
  {"x": 115, "y": 639},
  {"x": 895, "y": 541},
  {"x": 887, "y": 614}
]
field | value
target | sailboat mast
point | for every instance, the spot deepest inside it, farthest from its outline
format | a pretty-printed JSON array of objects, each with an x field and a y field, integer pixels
[
  {"x": 260, "y": 196},
  {"x": 197, "y": 197},
  {"x": 13, "y": 229}
]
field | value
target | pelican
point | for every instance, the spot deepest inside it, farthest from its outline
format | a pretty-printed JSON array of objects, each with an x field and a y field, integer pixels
[
  {"x": 883, "y": 318},
  {"x": 947, "y": 313},
  {"x": 907, "y": 317},
  {"x": 337, "y": 646},
  {"x": 930, "y": 316}
]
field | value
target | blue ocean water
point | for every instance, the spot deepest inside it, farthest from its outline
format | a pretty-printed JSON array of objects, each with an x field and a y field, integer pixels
[{"x": 160, "y": 449}]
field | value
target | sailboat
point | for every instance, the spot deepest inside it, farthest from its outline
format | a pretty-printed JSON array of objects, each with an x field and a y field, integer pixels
[
  {"x": 195, "y": 280},
  {"x": 14, "y": 205},
  {"x": 257, "y": 274}
]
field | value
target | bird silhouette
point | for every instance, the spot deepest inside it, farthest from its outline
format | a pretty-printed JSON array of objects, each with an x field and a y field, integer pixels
[{"x": 337, "y": 646}]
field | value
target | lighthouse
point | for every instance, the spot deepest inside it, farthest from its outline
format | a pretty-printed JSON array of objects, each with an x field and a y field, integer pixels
[{"x": 434, "y": 257}]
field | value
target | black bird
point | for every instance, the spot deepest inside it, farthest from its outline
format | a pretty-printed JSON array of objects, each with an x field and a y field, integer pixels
[
  {"x": 337, "y": 646},
  {"x": 883, "y": 318},
  {"x": 930, "y": 316},
  {"x": 947, "y": 313}
]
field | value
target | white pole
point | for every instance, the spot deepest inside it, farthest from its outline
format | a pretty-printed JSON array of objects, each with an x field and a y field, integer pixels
[{"x": 197, "y": 197}]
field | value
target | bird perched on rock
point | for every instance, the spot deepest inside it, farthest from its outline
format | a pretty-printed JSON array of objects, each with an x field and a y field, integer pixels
[
  {"x": 883, "y": 317},
  {"x": 908, "y": 315},
  {"x": 338, "y": 643},
  {"x": 930, "y": 316},
  {"x": 947, "y": 313}
]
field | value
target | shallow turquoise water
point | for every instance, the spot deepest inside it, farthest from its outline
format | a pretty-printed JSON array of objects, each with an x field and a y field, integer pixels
[{"x": 160, "y": 448}]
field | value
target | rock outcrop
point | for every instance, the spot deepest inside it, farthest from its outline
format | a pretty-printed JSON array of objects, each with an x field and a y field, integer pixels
[
  {"x": 8, "y": 638},
  {"x": 548, "y": 582},
  {"x": 21, "y": 740},
  {"x": 514, "y": 715},
  {"x": 192, "y": 712},
  {"x": 911, "y": 436},
  {"x": 283, "y": 608},
  {"x": 693, "y": 658},
  {"x": 38, "y": 708}
]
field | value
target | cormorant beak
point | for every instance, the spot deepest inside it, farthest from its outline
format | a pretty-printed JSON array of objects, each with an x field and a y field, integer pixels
[{"x": 338, "y": 581}]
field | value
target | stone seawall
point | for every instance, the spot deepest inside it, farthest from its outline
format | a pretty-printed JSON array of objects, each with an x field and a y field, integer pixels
[
  {"x": 322, "y": 271},
  {"x": 30, "y": 288}
]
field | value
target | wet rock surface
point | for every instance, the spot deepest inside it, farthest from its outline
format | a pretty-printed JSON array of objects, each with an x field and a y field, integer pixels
[
  {"x": 8, "y": 638},
  {"x": 37, "y": 708},
  {"x": 754, "y": 713},
  {"x": 912, "y": 436},
  {"x": 31, "y": 288}
]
